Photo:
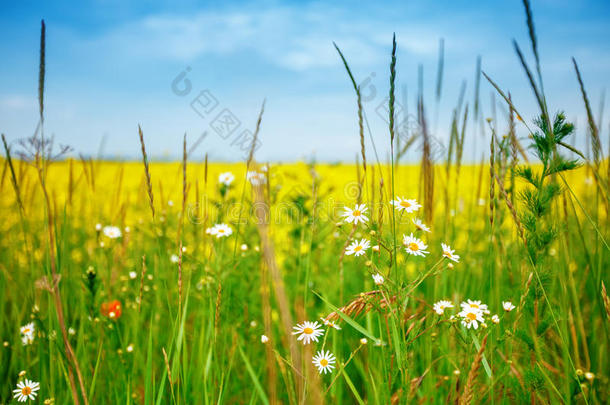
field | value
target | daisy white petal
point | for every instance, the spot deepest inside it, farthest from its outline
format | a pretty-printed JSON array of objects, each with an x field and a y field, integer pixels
[
  {"x": 420, "y": 225},
  {"x": 508, "y": 306}
]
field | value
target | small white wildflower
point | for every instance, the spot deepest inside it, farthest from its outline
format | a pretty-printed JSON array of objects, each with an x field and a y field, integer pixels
[
  {"x": 26, "y": 389},
  {"x": 112, "y": 232},
  {"x": 356, "y": 215},
  {"x": 358, "y": 248},
  {"x": 449, "y": 253},
  {"x": 226, "y": 178},
  {"x": 414, "y": 246},
  {"x": 308, "y": 331},
  {"x": 440, "y": 306},
  {"x": 378, "y": 279},
  {"x": 324, "y": 361},
  {"x": 405, "y": 204}
]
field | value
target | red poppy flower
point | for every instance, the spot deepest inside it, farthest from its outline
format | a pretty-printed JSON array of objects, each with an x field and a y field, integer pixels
[{"x": 112, "y": 309}]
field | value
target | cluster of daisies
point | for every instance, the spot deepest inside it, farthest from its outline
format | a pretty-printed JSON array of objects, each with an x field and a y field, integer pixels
[
  {"x": 473, "y": 313},
  {"x": 412, "y": 244},
  {"x": 309, "y": 332}
]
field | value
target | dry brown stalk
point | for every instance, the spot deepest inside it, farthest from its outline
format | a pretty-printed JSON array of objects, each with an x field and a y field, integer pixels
[
  {"x": 142, "y": 282},
  {"x": 262, "y": 220},
  {"x": 169, "y": 372},
  {"x": 468, "y": 393},
  {"x": 217, "y": 309},
  {"x": 363, "y": 304}
]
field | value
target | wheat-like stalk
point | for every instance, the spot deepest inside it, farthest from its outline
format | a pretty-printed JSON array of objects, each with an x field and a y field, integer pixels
[
  {"x": 606, "y": 300},
  {"x": 147, "y": 172},
  {"x": 468, "y": 393}
]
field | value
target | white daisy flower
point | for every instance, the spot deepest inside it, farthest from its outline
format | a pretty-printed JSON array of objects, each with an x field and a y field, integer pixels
[
  {"x": 324, "y": 361},
  {"x": 475, "y": 305},
  {"x": 256, "y": 178},
  {"x": 330, "y": 324},
  {"x": 508, "y": 306},
  {"x": 449, "y": 253},
  {"x": 220, "y": 230},
  {"x": 27, "y": 333},
  {"x": 112, "y": 232},
  {"x": 414, "y": 246},
  {"x": 71, "y": 331},
  {"x": 98, "y": 227},
  {"x": 375, "y": 248},
  {"x": 363, "y": 341},
  {"x": 133, "y": 275},
  {"x": 471, "y": 318},
  {"x": 174, "y": 258},
  {"x": 170, "y": 203},
  {"x": 378, "y": 279},
  {"x": 308, "y": 331},
  {"x": 264, "y": 339},
  {"x": 405, "y": 204},
  {"x": 355, "y": 215},
  {"x": 26, "y": 389},
  {"x": 440, "y": 306},
  {"x": 243, "y": 247},
  {"x": 358, "y": 248},
  {"x": 495, "y": 319},
  {"x": 420, "y": 225},
  {"x": 129, "y": 348},
  {"x": 226, "y": 178},
  {"x": 28, "y": 329}
]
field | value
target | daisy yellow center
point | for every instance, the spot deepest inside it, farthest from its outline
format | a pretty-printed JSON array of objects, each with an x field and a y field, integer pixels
[
  {"x": 221, "y": 231},
  {"x": 26, "y": 391},
  {"x": 356, "y": 213},
  {"x": 308, "y": 331},
  {"x": 358, "y": 248},
  {"x": 26, "y": 330},
  {"x": 413, "y": 246},
  {"x": 474, "y": 306},
  {"x": 471, "y": 316},
  {"x": 324, "y": 362},
  {"x": 405, "y": 204}
]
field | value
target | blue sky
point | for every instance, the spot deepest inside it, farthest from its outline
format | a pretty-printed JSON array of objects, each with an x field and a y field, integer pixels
[{"x": 111, "y": 64}]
